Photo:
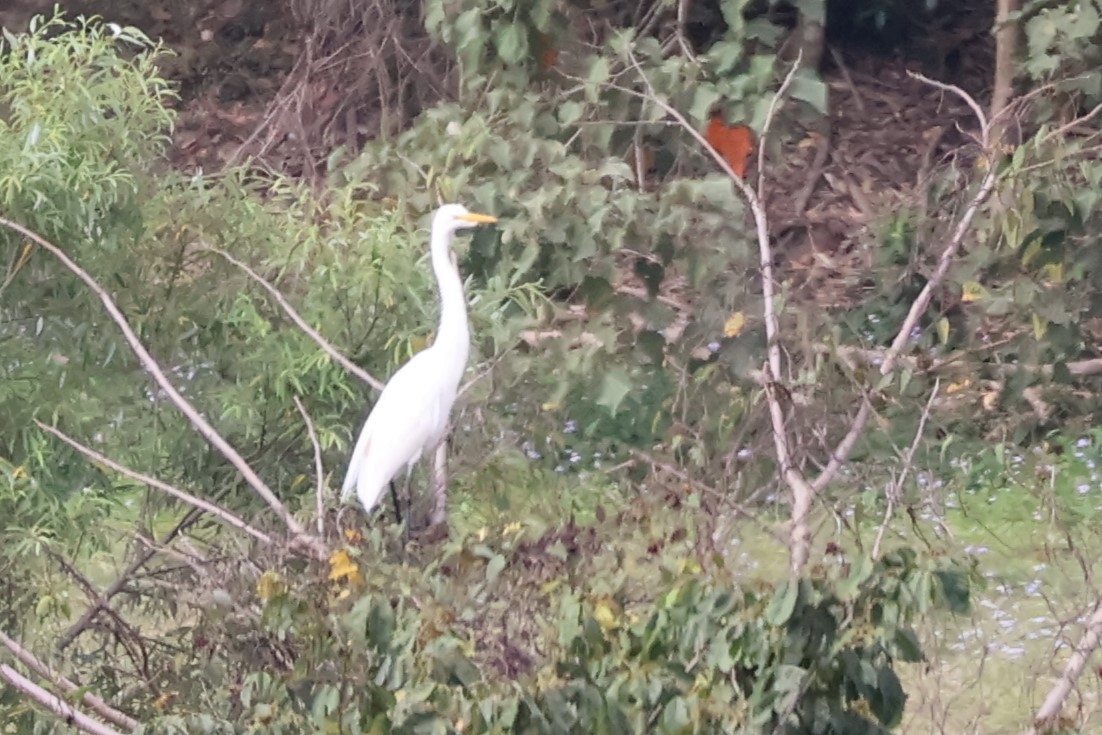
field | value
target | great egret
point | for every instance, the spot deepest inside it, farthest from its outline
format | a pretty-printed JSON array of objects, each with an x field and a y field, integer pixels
[{"x": 412, "y": 413}]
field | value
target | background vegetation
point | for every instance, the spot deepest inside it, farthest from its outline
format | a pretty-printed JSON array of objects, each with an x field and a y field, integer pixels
[{"x": 759, "y": 436}]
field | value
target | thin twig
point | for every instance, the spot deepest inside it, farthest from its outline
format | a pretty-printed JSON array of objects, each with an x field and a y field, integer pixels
[
  {"x": 66, "y": 685},
  {"x": 774, "y": 101},
  {"x": 116, "y": 586},
  {"x": 803, "y": 493},
  {"x": 1060, "y": 131},
  {"x": 908, "y": 464},
  {"x": 152, "y": 367},
  {"x": 54, "y": 703},
  {"x": 969, "y": 100},
  {"x": 312, "y": 333},
  {"x": 226, "y": 516},
  {"x": 318, "y": 469}
]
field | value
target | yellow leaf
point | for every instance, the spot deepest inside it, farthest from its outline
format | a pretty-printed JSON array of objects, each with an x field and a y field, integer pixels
[
  {"x": 18, "y": 472},
  {"x": 734, "y": 324},
  {"x": 511, "y": 528},
  {"x": 958, "y": 387},
  {"x": 353, "y": 535},
  {"x": 269, "y": 585},
  {"x": 1040, "y": 326},
  {"x": 605, "y": 614},
  {"x": 550, "y": 406},
  {"x": 551, "y": 586},
  {"x": 943, "y": 330},
  {"x": 341, "y": 567},
  {"x": 973, "y": 291},
  {"x": 1053, "y": 272}
]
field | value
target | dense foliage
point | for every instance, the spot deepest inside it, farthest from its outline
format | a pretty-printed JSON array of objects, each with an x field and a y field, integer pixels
[{"x": 616, "y": 314}]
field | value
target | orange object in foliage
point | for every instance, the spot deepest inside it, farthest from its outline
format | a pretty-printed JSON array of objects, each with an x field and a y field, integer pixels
[
  {"x": 549, "y": 55},
  {"x": 733, "y": 142}
]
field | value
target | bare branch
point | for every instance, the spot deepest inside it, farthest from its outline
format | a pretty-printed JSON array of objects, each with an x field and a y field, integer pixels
[
  {"x": 152, "y": 367},
  {"x": 226, "y": 516},
  {"x": 67, "y": 686},
  {"x": 948, "y": 254},
  {"x": 319, "y": 482},
  {"x": 312, "y": 333},
  {"x": 54, "y": 703},
  {"x": 985, "y": 128},
  {"x": 908, "y": 463},
  {"x": 1054, "y": 702},
  {"x": 770, "y": 114}
]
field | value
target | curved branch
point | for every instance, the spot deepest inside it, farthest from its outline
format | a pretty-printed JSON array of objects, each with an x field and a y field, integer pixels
[
  {"x": 208, "y": 432},
  {"x": 90, "y": 700},
  {"x": 226, "y": 516},
  {"x": 54, "y": 703},
  {"x": 318, "y": 469},
  {"x": 312, "y": 333},
  {"x": 1054, "y": 702}
]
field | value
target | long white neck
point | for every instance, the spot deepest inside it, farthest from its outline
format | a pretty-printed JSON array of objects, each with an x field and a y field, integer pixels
[{"x": 453, "y": 334}]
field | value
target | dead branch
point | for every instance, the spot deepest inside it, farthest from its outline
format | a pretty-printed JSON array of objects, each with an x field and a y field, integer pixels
[
  {"x": 54, "y": 703},
  {"x": 319, "y": 472},
  {"x": 221, "y": 513},
  {"x": 1054, "y": 702},
  {"x": 896, "y": 489},
  {"x": 208, "y": 432},
  {"x": 922, "y": 302},
  {"x": 803, "y": 492},
  {"x": 312, "y": 333},
  {"x": 948, "y": 254},
  {"x": 66, "y": 685}
]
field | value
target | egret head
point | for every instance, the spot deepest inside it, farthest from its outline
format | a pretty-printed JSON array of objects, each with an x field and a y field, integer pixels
[{"x": 453, "y": 217}]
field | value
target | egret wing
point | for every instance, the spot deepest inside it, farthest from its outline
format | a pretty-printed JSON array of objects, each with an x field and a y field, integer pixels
[{"x": 402, "y": 422}]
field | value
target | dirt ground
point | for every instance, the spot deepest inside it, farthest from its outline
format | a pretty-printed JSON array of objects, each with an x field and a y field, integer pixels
[{"x": 240, "y": 67}]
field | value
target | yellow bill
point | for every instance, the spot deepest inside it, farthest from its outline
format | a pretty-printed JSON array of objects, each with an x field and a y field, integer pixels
[{"x": 476, "y": 218}]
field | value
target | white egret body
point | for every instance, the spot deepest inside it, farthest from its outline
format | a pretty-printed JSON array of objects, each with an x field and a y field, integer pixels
[{"x": 412, "y": 413}]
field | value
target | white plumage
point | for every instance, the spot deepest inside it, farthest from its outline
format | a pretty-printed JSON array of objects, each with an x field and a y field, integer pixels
[{"x": 411, "y": 415}]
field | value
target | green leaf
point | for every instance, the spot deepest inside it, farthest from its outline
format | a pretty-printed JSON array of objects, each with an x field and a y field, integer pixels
[
  {"x": 704, "y": 97},
  {"x": 493, "y": 569},
  {"x": 615, "y": 385},
  {"x": 596, "y": 78},
  {"x": 570, "y": 112},
  {"x": 811, "y": 90},
  {"x": 859, "y": 573},
  {"x": 780, "y": 608},
  {"x": 954, "y": 590},
  {"x": 675, "y": 716},
  {"x": 511, "y": 41}
]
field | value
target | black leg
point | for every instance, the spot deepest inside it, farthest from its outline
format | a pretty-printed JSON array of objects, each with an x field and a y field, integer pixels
[{"x": 394, "y": 499}]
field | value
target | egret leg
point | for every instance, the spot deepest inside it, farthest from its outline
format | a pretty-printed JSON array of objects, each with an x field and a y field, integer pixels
[{"x": 394, "y": 499}]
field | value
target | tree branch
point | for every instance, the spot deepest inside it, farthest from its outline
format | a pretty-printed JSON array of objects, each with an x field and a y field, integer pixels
[
  {"x": 208, "y": 432},
  {"x": 54, "y": 703},
  {"x": 319, "y": 482},
  {"x": 312, "y": 333},
  {"x": 221, "y": 513},
  {"x": 90, "y": 700},
  {"x": 1054, "y": 702},
  {"x": 116, "y": 586}
]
